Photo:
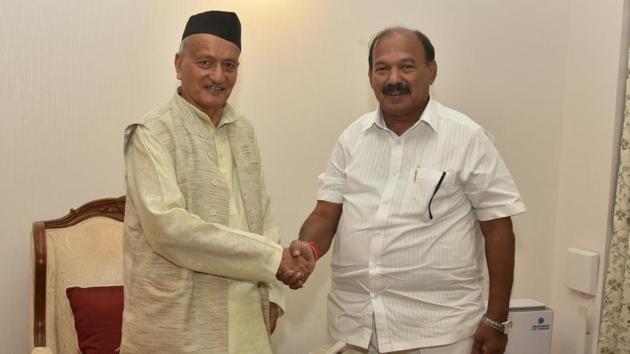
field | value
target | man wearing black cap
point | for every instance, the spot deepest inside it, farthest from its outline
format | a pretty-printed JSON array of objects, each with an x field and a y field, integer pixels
[{"x": 201, "y": 249}]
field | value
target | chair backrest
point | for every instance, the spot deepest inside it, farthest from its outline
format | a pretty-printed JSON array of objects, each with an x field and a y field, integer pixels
[{"x": 83, "y": 248}]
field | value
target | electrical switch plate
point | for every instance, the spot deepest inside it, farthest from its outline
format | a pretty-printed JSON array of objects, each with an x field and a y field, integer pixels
[{"x": 582, "y": 270}]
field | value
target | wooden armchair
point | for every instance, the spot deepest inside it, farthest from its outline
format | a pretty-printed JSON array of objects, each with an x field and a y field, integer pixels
[{"x": 82, "y": 249}]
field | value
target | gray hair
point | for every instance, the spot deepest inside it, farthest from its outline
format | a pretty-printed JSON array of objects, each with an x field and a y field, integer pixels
[{"x": 182, "y": 46}]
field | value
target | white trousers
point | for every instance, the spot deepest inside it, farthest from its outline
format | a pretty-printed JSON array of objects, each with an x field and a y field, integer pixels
[{"x": 462, "y": 347}]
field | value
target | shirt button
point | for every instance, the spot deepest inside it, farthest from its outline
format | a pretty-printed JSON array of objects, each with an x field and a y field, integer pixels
[
  {"x": 214, "y": 182},
  {"x": 213, "y": 212}
]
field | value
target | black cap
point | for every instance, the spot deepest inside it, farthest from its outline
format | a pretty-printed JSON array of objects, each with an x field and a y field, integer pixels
[{"x": 219, "y": 23}]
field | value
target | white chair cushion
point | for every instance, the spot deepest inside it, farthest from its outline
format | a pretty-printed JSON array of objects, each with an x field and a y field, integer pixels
[{"x": 86, "y": 254}]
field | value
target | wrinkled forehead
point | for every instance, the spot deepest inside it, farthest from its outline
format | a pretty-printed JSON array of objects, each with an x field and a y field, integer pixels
[{"x": 204, "y": 44}]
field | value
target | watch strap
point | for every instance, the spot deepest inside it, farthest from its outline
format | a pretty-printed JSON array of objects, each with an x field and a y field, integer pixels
[{"x": 502, "y": 327}]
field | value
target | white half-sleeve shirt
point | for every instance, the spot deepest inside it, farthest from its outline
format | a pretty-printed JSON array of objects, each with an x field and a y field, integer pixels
[{"x": 408, "y": 253}]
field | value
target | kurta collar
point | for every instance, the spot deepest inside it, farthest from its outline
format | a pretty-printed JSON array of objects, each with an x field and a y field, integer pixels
[{"x": 229, "y": 115}]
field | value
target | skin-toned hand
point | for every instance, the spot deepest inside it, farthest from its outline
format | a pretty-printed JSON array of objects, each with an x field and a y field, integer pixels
[
  {"x": 300, "y": 248},
  {"x": 489, "y": 341},
  {"x": 273, "y": 317},
  {"x": 293, "y": 270}
]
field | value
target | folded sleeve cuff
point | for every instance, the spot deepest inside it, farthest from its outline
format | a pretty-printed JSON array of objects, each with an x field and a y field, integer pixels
[
  {"x": 501, "y": 211},
  {"x": 274, "y": 263},
  {"x": 330, "y": 196}
]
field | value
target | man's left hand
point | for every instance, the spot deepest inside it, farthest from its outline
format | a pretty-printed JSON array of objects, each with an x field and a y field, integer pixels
[
  {"x": 489, "y": 341},
  {"x": 273, "y": 317}
]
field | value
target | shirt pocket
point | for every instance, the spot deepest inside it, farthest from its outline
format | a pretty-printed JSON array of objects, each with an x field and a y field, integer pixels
[{"x": 427, "y": 192}]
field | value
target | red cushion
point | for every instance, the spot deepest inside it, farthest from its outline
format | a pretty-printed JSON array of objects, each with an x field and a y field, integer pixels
[{"x": 97, "y": 317}]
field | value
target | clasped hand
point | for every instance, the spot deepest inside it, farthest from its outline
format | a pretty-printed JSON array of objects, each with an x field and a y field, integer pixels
[{"x": 297, "y": 264}]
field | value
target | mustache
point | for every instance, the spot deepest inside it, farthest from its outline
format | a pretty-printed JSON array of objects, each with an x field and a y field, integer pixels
[{"x": 398, "y": 87}]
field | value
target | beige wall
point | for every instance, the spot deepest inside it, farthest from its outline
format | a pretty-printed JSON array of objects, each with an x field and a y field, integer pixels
[
  {"x": 597, "y": 57},
  {"x": 543, "y": 77}
]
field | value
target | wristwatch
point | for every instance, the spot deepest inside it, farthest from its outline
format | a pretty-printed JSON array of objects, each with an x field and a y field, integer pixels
[{"x": 503, "y": 327}]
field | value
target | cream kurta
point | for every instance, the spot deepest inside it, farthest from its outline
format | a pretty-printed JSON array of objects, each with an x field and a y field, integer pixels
[
  {"x": 246, "y": 325},
  {"x": 159, "y": 221}
]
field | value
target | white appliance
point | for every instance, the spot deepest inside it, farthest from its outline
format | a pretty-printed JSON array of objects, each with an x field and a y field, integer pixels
[{"x": 531, "y": 329}]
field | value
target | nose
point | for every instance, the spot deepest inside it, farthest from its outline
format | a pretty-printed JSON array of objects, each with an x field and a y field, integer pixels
[
  {"x": 394, "y": 76},
  {"x": 216, "y": 74}
]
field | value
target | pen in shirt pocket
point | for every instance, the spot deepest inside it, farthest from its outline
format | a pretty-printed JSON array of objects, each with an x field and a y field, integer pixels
[
  {"x": 416, "y": 172},
  {"x": 437, "y": 187}
]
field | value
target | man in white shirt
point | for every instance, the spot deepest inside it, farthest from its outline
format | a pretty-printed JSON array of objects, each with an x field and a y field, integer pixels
[{"x": 412, "y": 190}]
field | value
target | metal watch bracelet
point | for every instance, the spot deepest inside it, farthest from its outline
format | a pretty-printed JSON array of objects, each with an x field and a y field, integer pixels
[{"x": 502, "y": 327}]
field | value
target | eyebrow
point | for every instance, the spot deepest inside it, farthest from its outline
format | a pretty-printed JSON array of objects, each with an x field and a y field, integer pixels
[
  {"x": 401, "y": 61},
  {"x": 212, "y": 57}
]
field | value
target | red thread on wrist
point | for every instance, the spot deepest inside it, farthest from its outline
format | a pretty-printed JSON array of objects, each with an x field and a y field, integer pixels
[{"x": 316, "y": 250}]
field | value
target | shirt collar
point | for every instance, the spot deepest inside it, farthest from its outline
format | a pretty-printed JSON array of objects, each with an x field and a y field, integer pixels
[{"x": 429, "y": 117}]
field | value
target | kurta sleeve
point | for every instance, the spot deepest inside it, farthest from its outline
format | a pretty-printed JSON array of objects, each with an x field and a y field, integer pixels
[
  {"x": 182, "y": 237},
  {"x": 272, "y": 232}
]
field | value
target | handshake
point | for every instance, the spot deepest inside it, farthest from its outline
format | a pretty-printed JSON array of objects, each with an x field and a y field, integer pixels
[{"x": 297, "y": 264}]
